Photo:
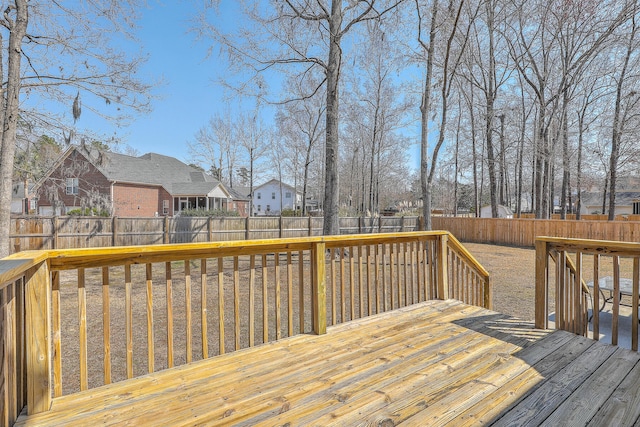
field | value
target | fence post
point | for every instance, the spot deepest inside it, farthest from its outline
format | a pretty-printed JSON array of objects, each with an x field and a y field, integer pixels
[
  {"x": 310, "y": 229},
  {"x": 114, "y": 231},
  {"x": 442, "y": 267},
  {"x": 542, "y": 280},
  {"x": 246, "y": 228},
  {"x": 54, "y": 220},
  {"x": 280, "y": 227},
  {"x": 210, "y": 229},
  {"x": 165, "y": 230},
  {"x": 38, "y": 340},
  {"x": 319, "y": 293}
]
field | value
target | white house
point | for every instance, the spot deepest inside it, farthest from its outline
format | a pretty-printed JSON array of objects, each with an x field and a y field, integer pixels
[{"x": 273, "y": 196}]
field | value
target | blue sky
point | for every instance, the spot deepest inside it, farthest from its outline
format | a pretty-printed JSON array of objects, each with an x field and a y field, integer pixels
[{"x": 188, "y": 95}]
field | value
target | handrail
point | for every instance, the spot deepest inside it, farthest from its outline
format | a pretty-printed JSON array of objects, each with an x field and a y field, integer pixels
[
  {"x": 572, "y": 310},
  {"x": 294, "y": 285},
  {"x": 468, "y": 279}
]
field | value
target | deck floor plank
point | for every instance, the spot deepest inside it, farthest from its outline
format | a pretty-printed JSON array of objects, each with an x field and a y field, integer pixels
[{"x": 433, "y": 363}]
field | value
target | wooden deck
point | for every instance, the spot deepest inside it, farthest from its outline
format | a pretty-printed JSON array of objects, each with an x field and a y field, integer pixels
[{"x": 433, "y": 363}]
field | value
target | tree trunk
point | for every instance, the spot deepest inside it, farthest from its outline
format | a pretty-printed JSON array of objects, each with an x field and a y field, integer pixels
[
  {"x": 425, "y": 107},
  {"x": 17, "y": 31},
  {"x": 331, "y": 224}
]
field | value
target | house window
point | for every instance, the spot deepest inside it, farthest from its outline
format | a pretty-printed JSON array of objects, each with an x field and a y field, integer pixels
[
  {"x": 268, "y": 208},
  {"x": 636, "y": 208},
  {"x": 165, "y": 207},
  {"x": 72, "y": 186},
  {"x": 259, "y": 208},
  {"x": 287, "y": 194},
  {"x": 273, "y": 196},
  {"x": 259, "y": 195}
]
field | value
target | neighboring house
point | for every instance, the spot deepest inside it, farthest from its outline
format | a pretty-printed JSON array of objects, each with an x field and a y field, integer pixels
[
  {"x": 503, "y": 212},
  {"x": 21, "y": 203},
  {"x": 273, "y": 196},
  {"x": 627, "y": 203},
  {"x": 627, "y": 198},
  {"x": 240, "y": 202},
  {"x": 126, "y": 186}
]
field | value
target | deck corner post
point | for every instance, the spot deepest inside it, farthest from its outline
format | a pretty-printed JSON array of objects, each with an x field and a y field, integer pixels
[
  {"x": 442, "y": 267},
  {"x": 38, "y": 338},
  {"x": 319, "y": 289},
  {"x": 488, "y": 294},
  {"x": 542, "y": 284}
]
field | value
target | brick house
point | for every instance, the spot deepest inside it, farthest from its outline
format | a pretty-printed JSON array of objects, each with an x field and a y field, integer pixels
[{"x": 127, "y": 186}]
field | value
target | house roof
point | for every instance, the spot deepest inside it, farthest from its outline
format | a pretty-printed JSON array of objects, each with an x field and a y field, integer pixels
[
  {"x": 170, "y": 173},
  {"x": 276, "y": 182},
  {"x": 239, "y": 193},
  {"x": 175, "y": 176},
  {"x": 623, "y": 198}
]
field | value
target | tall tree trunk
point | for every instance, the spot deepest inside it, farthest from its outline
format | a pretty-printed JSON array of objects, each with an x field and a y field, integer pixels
[
  {"x": 331, "y": 224},
  {"x": 566, "y": 188},
  {"x": 425, "y": 107},
  {"x": 10, "y": 100}
]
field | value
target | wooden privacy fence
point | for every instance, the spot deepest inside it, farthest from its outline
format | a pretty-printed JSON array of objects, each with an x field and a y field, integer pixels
[
  {"x": 80, "y": 318},
  {"x": 574, "y": 275},
  {"x": 523, "y": 232},
  {"x": 69, "y": 232}
]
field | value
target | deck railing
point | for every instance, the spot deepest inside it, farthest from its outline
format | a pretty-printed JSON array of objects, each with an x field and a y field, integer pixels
[
  {"x": 585, "y": 272},
  {"x": 72, "y": 320}
]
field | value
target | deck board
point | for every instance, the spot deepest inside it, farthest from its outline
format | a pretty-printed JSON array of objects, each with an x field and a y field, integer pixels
[{"x": 433, "y": 363}]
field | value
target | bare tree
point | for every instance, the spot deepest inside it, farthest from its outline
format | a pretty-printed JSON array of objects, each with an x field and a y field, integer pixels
[
  {"x": 215, "y": 147},
  {"x": 61, "y": 52},
  {"x": 305, "y": 37},
  {"x": 454, "y": 47}
]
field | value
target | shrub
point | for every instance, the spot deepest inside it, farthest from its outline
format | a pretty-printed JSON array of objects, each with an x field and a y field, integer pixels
[
  {"x": 88, "y": 212},
  {"x": 216, "y": 213},
  {"x": 290, "y": 212}
]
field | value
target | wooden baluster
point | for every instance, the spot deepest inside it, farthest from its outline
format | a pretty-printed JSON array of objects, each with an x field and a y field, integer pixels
[
  {"x": 265, "y": 301},
  {"x": 343, "y": 306},
  {"x": 289, "y": 295},
  {"x": 168, "y": 280},
  {"x": 150, "y": 332},
  {"x": 187, "y": 308},
  {"x": 221, "y": 349},
  {"x": 236, "y": 301},
  {"x": 128, "y": 319},
  {"x": 203, "y": 308},
  {"x": 106, "y": 324},
  {"x": 352, "y": 287},
  {"x": 596, "y": 297},
  {"x": 301, "y": 289},
  {"x": 635, "y": 297},
  {"x": 276, "y": 274},
  {"x": 616, "y": 300},
  {"x": 252, "y": 298},
  {"x": 82, "y": 328}
]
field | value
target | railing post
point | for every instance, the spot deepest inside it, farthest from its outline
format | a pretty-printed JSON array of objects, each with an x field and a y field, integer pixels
[
  {"x": 442, "y": 267},
  {"x": 542, "y": 288},
  {"x": 319, "y": 293},
  {"x": 488, "y": 296},
  {"x": 38, "y": 332}
]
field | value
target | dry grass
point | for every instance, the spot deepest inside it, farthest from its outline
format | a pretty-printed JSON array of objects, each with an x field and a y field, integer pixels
[{"x": 512, "y": 273}]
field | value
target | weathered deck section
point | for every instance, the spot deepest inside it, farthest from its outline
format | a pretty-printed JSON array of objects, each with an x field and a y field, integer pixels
[{"x": 433, "y": 363}]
